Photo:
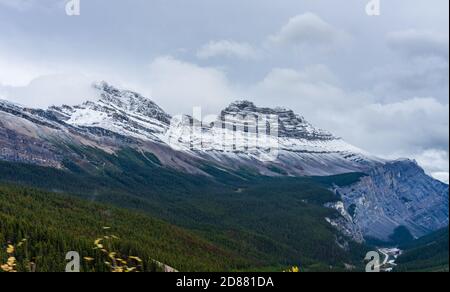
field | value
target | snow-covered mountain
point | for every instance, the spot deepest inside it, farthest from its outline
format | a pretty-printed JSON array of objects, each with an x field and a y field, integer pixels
[
  {"x": 123, "y": 112},
  {"x": 262, "y": 141},
  {"x": 297, "y": 148}
]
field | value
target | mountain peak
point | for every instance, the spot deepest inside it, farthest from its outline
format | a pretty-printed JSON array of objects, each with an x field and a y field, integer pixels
[
  {"x": 130, "y": 101},
  {"x": 291, "y": 125},
  {"x": 249, "y": 106},
  {"x": 241, "y": 105},
  {"x": 104, "y": 86}
]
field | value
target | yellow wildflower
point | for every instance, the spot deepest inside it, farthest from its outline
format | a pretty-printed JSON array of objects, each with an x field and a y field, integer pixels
[
  {"x": 11, "y": 261},
  {"x": 10, "y": 249},
  {"x": 5, "y": 268},
  {"x": 136, "y": 259}
]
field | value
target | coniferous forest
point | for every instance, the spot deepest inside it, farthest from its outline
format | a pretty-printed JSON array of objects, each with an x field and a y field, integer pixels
[
  {"x": 44, "y": 227},
  {"x": 132, "y": 208}
]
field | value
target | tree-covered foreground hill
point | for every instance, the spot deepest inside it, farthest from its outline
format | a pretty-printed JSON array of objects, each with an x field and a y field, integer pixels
[
  {"x": 427, "y": 254},
  {"x": 53, "y": 225}
]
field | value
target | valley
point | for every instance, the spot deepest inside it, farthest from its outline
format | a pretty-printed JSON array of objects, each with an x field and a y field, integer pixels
[{"x": 268, "y": 225}]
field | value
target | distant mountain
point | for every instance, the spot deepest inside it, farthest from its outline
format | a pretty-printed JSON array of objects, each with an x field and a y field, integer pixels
[{"x": 236, "y": 143}]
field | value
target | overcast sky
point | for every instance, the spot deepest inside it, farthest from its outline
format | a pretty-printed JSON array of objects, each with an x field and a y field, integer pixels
[{"x": 379, "y": 82}]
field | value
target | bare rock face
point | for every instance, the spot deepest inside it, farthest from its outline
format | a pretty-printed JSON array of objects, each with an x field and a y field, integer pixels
[
  {"x": 291, "y": 125},
  {"x": 344, "y": 223},
  {"x": 17, "y": 148},
  {"x": 20, "y": 138},
  {"x": 397, "y": 194}
]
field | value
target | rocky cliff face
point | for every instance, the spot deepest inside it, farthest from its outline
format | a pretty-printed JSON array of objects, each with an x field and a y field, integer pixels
[
  {"x": 21, "y": 137},
  {"x": 290, "y": 124},
  {"x": 396, "y": 194}
]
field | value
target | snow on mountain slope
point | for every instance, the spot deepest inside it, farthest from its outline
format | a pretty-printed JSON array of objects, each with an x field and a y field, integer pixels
[
  {"x": 241, "y": 133},
  {"x": 241, "y": 136},
  {"x": 123, "y": 112}
]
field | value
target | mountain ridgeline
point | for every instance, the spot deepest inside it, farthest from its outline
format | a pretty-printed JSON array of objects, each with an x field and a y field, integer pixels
[{"x": 314, "y": 205}]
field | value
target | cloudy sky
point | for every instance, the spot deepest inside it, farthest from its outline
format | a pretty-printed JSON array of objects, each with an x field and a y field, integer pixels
[{"x": 380, "y": 82}]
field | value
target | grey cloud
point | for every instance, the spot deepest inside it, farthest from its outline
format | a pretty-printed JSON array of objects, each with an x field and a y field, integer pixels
[
  {"x": 308, "y": 90},
  {"x": 228, "y": 48},
  {"x": 307, "y": 30},
  {"x": 15, "y": 71},
  {"x": 435, "y": 161},
  {"x": 418, "y": 77},
  {"x": 171, "y": 80},
  {"x": 28, "y": 4},
  {"x": 422, "y": 70},
  {"x": 420, "y": 43},
  {"x": 56, "y": 89},
  {"x": 18, "y": 4},
  {"x": 415, "y": 124}
]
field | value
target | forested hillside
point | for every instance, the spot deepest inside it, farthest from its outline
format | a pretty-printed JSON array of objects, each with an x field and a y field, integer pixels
[
  {"x": 54, "y": 224},
  {"x": 427, "y": 254},
  {"x": 270, "y": 222}
]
